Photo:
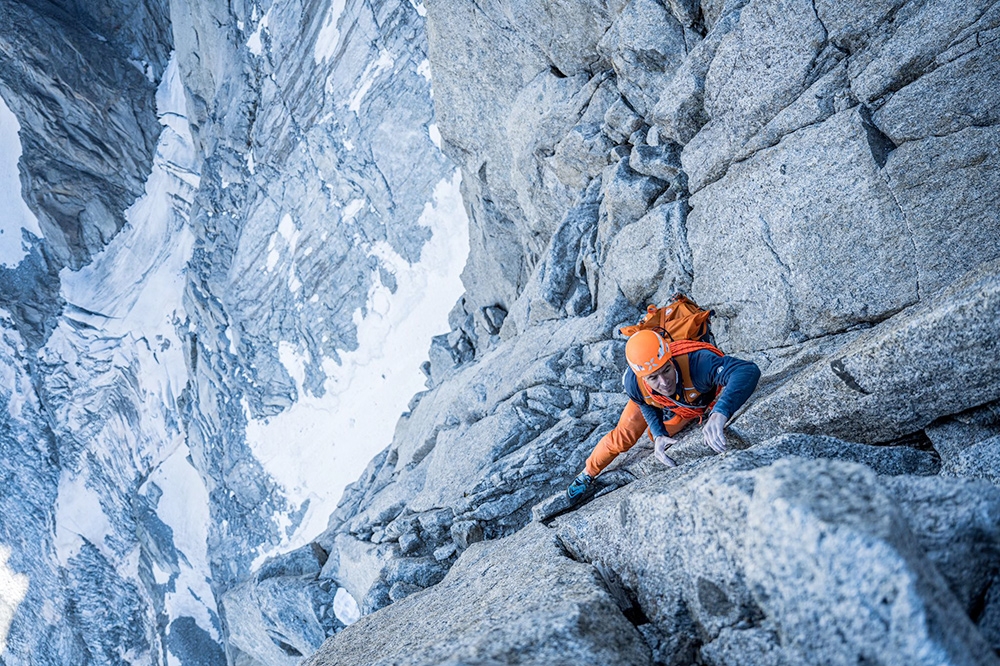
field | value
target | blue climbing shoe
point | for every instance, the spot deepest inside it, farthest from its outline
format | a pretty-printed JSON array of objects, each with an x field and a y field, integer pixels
[{"x": 579, "y": 486}]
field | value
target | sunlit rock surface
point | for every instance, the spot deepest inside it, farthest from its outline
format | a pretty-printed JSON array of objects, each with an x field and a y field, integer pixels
[{"x": 764, "y": 158}]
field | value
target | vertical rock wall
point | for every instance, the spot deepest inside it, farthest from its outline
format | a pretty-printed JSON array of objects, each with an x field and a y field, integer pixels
[{"x": 821, "y": 175}]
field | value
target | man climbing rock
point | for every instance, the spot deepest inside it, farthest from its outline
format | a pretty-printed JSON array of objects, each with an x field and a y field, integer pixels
[{"x": 669, "y": 384}]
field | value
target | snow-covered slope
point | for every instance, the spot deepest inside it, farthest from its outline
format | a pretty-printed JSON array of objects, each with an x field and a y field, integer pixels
[{"x": 193, "y": 393}]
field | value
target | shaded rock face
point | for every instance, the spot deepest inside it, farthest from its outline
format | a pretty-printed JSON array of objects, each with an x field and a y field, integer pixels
[{"x": 82, "y": 84}]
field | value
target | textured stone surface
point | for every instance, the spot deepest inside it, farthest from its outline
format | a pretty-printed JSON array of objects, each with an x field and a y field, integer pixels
[
  {"x": 516, "y": 600},
  {"x": 651, "y": 254},
  {"x": 947, "y": 188},
  {"x": 956, "y": 95},
  {"x": 936, "y": 352},
  {"x": 742, "y": 94},
  {"x": 645, "y": 44},
  {"x": 774, "y": 282},
  {"x": 805, "y": 549},
  {"x": 835, "y": 565},
  {"x": 893, "y": 44},
  {"x": 966, "y": 552},
  {"x": 978, "y": 461}
]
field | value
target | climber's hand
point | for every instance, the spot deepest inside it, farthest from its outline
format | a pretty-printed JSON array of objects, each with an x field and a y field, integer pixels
[
  {"x": 660, "y": 446},
  {"x": 713, "y": 432}
]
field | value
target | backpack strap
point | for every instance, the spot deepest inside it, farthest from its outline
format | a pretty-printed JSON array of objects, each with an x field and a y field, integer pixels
[{"x": 682, "y": 347}]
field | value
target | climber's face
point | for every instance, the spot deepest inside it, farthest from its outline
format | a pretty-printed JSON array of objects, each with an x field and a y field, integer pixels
[{"x": 664, "y": 381}]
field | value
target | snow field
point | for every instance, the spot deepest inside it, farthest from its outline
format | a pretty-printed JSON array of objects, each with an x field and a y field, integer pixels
[
  {"x": 320, "y": 445},
  {"x": 14, "y": 212}
]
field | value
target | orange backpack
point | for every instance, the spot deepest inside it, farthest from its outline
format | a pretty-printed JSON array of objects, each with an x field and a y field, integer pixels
[{"x": 680, "y": 319}]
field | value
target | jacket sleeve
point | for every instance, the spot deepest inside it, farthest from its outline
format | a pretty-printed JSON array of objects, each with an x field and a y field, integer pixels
[
  {"x": 654, "y": 415},
  {"x": 735, "y": 378}
]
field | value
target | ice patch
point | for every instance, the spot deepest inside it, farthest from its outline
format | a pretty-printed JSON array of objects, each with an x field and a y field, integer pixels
[
  {"x": 424, "y": 69},
  {"x": 254, "y": 42},
  {"x": 13, "y": 588},
  {"x": 13, "y": 375},
  {"x": 419, "y": 6},
  {"x": 16, "y": 215},
  {"x": 319, "y": 445},
  {"x": 329, "y": 35},
  {"x": 374, "y": 69},
  {"x": 79, "y": 516},
  {"x": 435, "y": 134},
  {"x": 272, "y": 252},
  {"x": 352, "y": 208},
  {"x": 345, "y": 607},
  {"x": 289, "y": 231},
  {"x": 294, "y": 364},
  {"x": 184, "y": 507},
  {"x": 272, "y": 259}
]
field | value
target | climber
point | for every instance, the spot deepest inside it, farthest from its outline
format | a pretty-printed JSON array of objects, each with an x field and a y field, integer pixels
[{"x": 669, "y": 385}]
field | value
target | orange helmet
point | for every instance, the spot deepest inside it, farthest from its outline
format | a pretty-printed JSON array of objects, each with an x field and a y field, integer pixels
[{"x": 646, "y": 352}]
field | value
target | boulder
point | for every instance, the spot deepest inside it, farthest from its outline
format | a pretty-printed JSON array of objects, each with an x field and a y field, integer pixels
[
  {"x": 951, "y": 435},
  {"x": 544, "y": 112},
  {"x": 626, "y": 196},
  {"x": 680, "y": 110},
  {"x": 967, "y": 551},
  {"x": 771, "y": 558},
  {"x": 837, "y": 569},
  {"x": 515, "y": 600},
  {"x": 932, "y": 360}
]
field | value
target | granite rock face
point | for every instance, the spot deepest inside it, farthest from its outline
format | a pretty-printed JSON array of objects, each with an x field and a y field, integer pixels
[
  {"x": 792, "y": 558},
  {"x": 564, "y": 617},
  {"x": 782, "y": 164}
]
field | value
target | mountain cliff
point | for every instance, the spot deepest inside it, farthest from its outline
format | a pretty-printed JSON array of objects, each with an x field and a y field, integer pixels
[{"x": 228, "y": 194}]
